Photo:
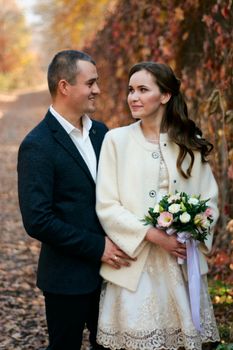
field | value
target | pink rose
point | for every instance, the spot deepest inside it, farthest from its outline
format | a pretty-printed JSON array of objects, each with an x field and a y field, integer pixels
[
  {"x": 165, "y": 219},
  {"x": 208, "y": 212}
]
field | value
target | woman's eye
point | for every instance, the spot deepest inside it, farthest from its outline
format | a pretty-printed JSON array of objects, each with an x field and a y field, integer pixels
[{"x": 143, "y": 89}]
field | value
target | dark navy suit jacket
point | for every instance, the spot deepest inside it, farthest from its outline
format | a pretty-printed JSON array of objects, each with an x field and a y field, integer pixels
[{"x": 57, "y": 202}]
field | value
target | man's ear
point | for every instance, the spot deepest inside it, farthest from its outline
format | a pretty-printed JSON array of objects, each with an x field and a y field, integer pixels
[
  {"x": 165, "y": 97},
  {"x": 63, "y": 87}
]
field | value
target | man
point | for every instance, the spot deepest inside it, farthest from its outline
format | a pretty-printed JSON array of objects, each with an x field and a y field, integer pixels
[{"x": 56, "y": 181}]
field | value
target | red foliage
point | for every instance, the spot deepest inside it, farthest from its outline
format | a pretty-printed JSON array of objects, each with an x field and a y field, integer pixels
[{"x": 221, "y": 259}]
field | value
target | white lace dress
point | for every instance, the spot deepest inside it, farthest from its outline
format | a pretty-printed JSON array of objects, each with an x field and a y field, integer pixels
[{"x": 157, "y": 315}]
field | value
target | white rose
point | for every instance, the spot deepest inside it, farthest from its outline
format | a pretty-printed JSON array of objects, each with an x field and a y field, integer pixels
[
  {"x": 156, "y": 208},
  {"x": 174, "y": 208},
  {"x": 185, "y": 217},
  {"x": 174, "y": 198},
  {"x": 193, "y": 201}
]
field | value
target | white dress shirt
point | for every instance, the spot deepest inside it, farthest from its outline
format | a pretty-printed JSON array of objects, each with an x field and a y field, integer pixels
[{"x": 80, "y": 138}]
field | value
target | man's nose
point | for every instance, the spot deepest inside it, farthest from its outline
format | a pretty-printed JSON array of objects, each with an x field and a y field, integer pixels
[{"x": 95, "y": 89}]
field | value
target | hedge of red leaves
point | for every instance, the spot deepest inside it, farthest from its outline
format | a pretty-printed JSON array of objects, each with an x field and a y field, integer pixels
[{"x": 195, "y": 37}]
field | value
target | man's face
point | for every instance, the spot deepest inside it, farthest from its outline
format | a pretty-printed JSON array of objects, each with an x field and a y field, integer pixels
[{"x": 83, "y": 93}]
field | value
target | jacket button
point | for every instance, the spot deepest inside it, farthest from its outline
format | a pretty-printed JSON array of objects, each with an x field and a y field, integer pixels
[
  {"x": 165, "y": 144},
  {"x": 152, "y": 193},
  {"x": 174, "y": 181},
  {"x": 155, "y": 155}
]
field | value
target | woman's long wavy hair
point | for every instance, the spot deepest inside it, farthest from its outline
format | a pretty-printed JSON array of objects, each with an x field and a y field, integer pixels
[{"x": 181, "y": 130}]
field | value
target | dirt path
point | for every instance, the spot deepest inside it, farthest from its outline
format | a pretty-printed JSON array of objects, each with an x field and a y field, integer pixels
[{"x": 22, "y": 322}]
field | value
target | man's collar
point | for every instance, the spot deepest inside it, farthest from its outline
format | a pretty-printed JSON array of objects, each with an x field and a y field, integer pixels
[{"x": 86, "y": 122}]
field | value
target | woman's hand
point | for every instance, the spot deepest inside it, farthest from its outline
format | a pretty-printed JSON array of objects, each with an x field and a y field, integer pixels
[{"x": 167, "y": 242}]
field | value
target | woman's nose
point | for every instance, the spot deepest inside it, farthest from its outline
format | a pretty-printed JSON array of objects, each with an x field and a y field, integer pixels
[{"x": 134, "y": 96}]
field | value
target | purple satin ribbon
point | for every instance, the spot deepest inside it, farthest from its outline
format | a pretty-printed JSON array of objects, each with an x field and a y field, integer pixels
[{"x": 194, "y": 281}]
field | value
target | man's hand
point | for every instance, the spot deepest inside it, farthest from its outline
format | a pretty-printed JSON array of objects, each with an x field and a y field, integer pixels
[{"x": 114, "y": 256}]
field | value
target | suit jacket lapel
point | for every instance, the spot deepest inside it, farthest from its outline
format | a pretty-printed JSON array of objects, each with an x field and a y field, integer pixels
[
  {"x": 96, "y": 140},
  {"x": 63, "y": 138}
]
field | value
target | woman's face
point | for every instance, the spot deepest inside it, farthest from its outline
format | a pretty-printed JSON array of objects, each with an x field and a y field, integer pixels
[{"x": 144, "y": 98}]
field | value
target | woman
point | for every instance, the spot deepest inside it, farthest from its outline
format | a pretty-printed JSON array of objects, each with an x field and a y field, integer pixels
[{"x": 146, "y": 306}]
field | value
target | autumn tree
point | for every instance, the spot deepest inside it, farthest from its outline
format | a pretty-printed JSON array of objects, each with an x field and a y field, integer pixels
[
  {"x": 16, "y": 60},
  {"x": 71, "y": 23}
]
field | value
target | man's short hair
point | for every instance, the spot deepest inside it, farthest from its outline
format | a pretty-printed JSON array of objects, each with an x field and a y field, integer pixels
[{"x": 64, "y": 66}]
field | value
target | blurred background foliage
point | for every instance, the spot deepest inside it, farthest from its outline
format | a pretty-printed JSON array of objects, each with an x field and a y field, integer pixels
[
  {"x": 72, "y": 23},
  {"x": 18, "y": 63},
  {"x": 195, "y": 37}
]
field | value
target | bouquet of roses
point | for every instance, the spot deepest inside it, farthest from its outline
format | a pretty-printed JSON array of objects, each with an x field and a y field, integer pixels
[{"x": 187, "y": 216}]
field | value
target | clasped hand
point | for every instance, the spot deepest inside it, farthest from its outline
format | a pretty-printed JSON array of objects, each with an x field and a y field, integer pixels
[{"x": 114, "y": 256}]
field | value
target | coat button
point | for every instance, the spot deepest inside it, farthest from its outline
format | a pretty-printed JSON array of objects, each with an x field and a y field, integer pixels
[
  {"x": 174, "y": 181},
  {"x": 165, "y": 144},
  {"x": 152, "y": 193},
  {"x": 155, "y": 155}
]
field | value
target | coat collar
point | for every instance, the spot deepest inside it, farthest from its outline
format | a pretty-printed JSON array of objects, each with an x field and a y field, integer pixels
[
  {"x": 65, "y": 141},
  {"x": 137, "y": 133}
]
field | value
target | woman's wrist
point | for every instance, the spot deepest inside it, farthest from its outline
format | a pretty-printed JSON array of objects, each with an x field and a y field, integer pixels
[{"x": 154, "y": 235}]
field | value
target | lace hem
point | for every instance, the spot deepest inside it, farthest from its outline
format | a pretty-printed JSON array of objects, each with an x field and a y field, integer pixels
[{"x": 158, "y": 339}]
